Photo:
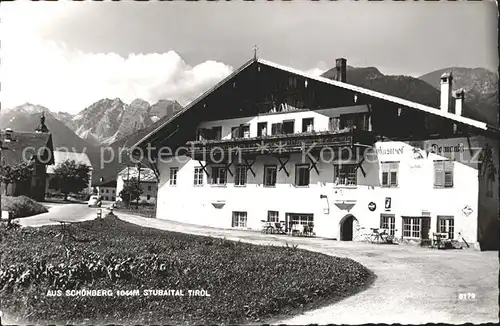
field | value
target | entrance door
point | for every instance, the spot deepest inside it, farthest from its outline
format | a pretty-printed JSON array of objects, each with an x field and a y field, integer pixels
[{"x": 347, "y": 228}]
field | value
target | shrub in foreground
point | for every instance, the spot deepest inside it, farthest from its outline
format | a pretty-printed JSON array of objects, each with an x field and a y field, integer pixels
[
  {"x": 22, "y": 206},
  {"x": 246, "y": 283}
]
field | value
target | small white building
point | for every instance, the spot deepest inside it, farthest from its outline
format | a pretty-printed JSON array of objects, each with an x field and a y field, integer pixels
[
  {"x": 147, "y": 179},
  {"x": 52, "y": 186},
  {"x": 271, "y": 143},
  {"x": 106, "y": 189}
]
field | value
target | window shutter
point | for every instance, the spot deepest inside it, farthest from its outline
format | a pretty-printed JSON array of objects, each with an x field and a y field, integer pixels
[
  {"x": 438, "y": 174},
  {"x": 394, "y": 178},
  {"x": 274, "y": 129},
  {"x": 234, "y": 132},
  {"x": 381, "y": 221},
  {"x": 385, "y": 178}
]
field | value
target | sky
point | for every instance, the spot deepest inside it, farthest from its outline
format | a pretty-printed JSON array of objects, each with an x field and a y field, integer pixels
[{"x": 68, "y": 55}]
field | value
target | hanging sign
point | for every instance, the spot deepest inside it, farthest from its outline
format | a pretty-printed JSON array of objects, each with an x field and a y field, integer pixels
[
  {"x": 467, "y": 210},
  {"x": 388, "y": 203},
  {"x": 372, "y": 206}
]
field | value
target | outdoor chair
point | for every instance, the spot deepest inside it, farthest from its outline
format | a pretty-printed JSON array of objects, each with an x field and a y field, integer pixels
[{"x": 279, "y": 227}]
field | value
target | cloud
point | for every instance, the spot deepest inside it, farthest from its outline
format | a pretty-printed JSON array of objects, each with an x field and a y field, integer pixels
[{"x": 38, "y": 70}]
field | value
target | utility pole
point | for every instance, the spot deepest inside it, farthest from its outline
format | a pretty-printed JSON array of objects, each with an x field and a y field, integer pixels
[
  {"x": 1, "y": 148},
  {"x": 128, "y": 181},
  {"x": 138, "y": 181}
]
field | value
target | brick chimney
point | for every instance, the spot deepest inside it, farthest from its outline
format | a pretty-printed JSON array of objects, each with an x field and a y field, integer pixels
[
  {"x": 341, "y": 70},
  {"x": 446, "y": 86},
  {"x": 459, "y": 101}
]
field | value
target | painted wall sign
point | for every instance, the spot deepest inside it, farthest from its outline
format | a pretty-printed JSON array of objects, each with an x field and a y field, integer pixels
[
  {"x": 372, "y": 206},
  {"x": 388, "y": 203},
  {"x": 467, "y": 210},
  {"x": 390, "y": 151},
  {"x": 437, "y": 149}
]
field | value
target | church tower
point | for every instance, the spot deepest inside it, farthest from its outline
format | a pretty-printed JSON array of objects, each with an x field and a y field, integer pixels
[{"x": 42, "y": 127}]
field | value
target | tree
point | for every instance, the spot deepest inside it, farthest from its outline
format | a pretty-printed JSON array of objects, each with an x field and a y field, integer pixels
[
  {"x": 16, "y": 173},
  {"x": 72, "y": 176},
  {"x": 131, "y": 190}
]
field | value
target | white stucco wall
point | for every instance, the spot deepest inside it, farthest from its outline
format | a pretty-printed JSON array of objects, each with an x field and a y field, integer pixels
[{"x": 415, "y": 192}]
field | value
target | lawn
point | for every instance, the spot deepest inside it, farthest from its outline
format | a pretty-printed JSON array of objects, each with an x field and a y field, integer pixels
[
  {"x": 246, "y": 283},
  {"x": 22, "y": 206}
]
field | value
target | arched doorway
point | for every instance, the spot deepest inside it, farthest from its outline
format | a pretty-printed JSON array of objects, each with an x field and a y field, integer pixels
[{"x": 348, "y": 228}]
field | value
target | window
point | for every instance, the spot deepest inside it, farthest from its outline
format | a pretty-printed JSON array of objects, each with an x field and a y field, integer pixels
[
  {"x": 443, "y": 174},
  {"x": 289, "y": 127},
  {"x": 446, "y": 224},
  {"x": 303, "y": 219},
  {"x": 173, "y": 176},
  {"x": 113, "y": 191},
  {"x": 273, "y": 216},
  {"x": 411, "y": 227},
  {"x": 113, "y": 198},
  {"x": 416, "y": 227},
  {"x": 198, "y": 176},
  {"x": 242, "y": 131},
  {"x": 270, "y": 172},
  {"x": 347, "y": 121},
  {"x": 389, "y": 174},
  {"x": 358, "y": 120},
  {"x": 302, "y": 175},
  {"x": 388, "y": 222},
  {"x": 148, "y": 197},
  {"x": 239, "y": 220},
  {"x": 346, "y": 174},
  {"x": 218, "y": 175},
  {"x": 240, "y": 178},
  {"x": 149, "y": 188},
  {"x": 334, "y": 124},
  {"x": 276, "y": 129},
  {"x": 308, "y": 125},
  {"x": 107, "y": 190},
  {"x": 262, "y": 129}
]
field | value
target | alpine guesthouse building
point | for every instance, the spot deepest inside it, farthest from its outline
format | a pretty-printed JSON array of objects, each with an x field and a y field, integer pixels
[{"x": 273, "y": 143}]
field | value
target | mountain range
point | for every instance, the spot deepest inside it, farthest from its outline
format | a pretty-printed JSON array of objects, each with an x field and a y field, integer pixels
[
  {"x": 480, "y": 86},
  {"x": 115, "y": 124}
]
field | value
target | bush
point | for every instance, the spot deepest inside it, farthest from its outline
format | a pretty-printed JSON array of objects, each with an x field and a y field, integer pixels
[{"x": 22, "y": 206}]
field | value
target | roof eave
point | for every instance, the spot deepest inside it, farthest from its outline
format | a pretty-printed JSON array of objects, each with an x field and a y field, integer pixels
[
  {"x": 195, "y": 101},
  {"x": 358, "y": 89}
]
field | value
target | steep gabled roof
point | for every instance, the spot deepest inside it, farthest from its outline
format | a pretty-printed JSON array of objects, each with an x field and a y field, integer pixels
[
  {"x": 26, "y": 147},
  {"x": 61, "y": 156},
  {"x": 147, "y": 174},
  {"x": 109, "y": 183},
  {"x": 356, "y": 89}
]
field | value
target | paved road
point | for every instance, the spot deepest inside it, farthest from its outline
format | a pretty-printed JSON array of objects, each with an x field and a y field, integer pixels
[
  {"x": 414, "y": 285},
  {"x": 67, "y": 212}
]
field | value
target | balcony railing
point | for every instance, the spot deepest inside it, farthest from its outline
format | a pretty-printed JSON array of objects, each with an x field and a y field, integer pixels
[{"x": 290, "y": 143}]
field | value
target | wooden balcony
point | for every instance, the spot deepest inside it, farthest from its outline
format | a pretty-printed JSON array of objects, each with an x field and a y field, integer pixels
[{"x": 280, "y": 144}]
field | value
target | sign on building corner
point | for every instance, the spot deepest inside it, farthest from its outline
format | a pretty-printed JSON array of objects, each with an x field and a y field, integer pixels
[{"x": 467, "y": 210}]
